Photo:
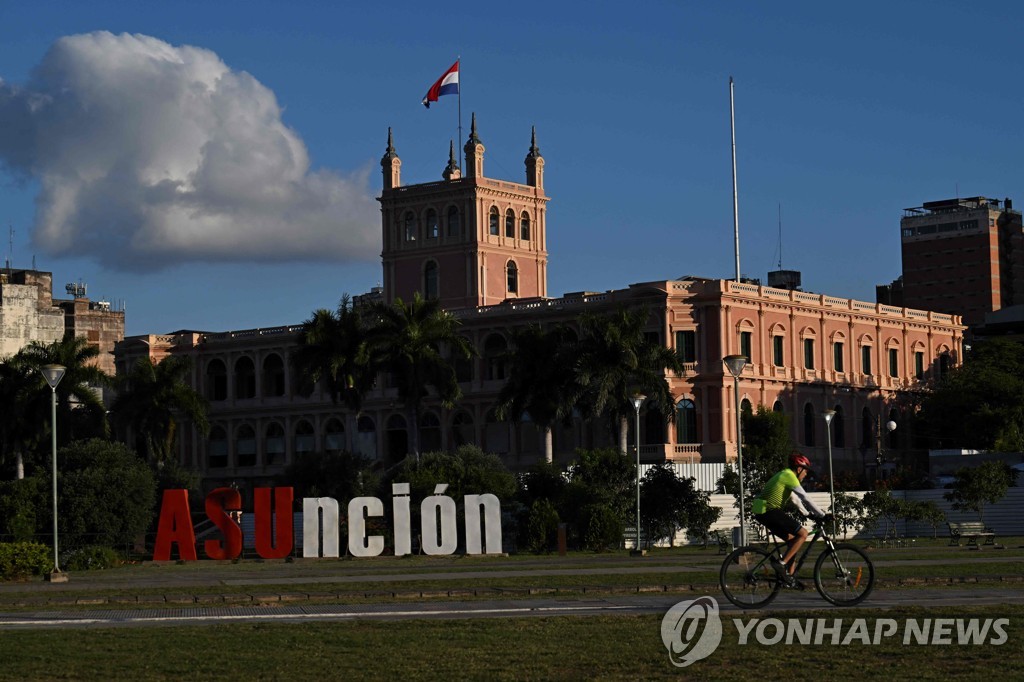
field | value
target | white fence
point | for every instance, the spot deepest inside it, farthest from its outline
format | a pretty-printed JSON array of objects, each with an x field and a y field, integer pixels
[
  {"x": 1006, "y": 517},
  {"x": 706, "y": 475}
]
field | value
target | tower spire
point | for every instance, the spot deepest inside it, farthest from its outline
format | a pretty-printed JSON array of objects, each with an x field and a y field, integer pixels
[
  {"x": 534, "y": 163},
  {"x": 391, "y": 165},
  {"x": 474, "y": 153},
  {"x": 451, "y": 171}
]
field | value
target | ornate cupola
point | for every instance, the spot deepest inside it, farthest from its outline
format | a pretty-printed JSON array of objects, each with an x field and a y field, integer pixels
[
  {"x": 451, "y": 171},
  {"x": 474, "y": 153},
  {"x": 534, "y": 164},
  {"x": 391, "y": 165}
]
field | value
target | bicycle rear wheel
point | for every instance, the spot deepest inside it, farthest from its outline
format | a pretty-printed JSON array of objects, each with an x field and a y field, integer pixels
[
  {"x": 747, "y": 578},
  {"x": 844, "y": 576}
]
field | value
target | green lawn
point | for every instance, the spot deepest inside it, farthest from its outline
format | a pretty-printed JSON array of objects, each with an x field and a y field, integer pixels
[{"x": 598, "y": 647}]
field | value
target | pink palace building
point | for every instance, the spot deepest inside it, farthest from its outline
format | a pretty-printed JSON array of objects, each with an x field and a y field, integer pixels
[{"x": 479, "y": 245}]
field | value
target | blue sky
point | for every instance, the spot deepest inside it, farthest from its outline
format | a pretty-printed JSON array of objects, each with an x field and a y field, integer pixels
[{"x": 845, "y": 115}]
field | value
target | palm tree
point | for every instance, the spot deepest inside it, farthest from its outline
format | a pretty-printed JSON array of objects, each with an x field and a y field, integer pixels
[
  {"x": 23, "y": 405},
  {"x": 408, "y": 340},
  {"x": 79, "y": 390},
  {"x": 151, "y": 401},
  {"x": 617, "y": 360},
  {"x": 542, "y": 379},
  {"x": 332, "y": 348}
]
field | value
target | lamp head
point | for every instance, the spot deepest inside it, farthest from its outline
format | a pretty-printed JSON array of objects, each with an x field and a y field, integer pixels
[
  {"x": 638, "y": 400},
  {"x": 735, "y": 364},
  {"x": 890, "y": 425},
  {"x": 828, "y": 415},
  {"x": 53, "y": 374}
]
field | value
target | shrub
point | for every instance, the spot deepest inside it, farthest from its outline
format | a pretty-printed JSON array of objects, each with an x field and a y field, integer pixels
[
  {"x": 18, "y": 501},
  {"x": 19, "y": 560},
  {"x": 542, "y": 527},
  {"x": 602, "y": 527},
  {"x": 93, "y": 557}
]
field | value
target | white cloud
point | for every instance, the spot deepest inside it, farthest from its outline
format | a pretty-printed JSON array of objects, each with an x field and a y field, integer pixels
[{"x": 148, "y": 155}]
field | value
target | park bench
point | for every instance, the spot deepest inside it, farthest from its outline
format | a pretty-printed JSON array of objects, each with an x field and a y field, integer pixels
[
  {"x": 724, "y": 540},
  {"x": 971, "y": 530}
]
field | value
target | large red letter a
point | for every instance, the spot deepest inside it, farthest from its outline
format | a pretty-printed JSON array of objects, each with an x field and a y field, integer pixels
[{"x": 175, "y": 527}]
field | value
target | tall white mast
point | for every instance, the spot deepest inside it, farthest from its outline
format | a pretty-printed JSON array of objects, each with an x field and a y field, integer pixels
[{"x": 735, "y": 198}]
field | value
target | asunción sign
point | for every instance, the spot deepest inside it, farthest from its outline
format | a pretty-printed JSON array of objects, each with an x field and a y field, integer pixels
[{"x": 321, "y": 526}]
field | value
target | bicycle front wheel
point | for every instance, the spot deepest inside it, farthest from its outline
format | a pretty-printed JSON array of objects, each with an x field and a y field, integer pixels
[
  {"x": 844, "y": 575},
  {"x": 747, "y": 578}
]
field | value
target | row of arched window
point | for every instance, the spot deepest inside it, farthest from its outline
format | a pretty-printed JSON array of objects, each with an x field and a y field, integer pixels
[
  {"x": 432, "y": 276},
  {"x": 432, "y": 227}
]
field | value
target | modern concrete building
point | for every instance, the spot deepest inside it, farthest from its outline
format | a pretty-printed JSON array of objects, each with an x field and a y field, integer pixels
[
  {"x": 963, "y": 257},
  {"x": 478, "y": 245}
]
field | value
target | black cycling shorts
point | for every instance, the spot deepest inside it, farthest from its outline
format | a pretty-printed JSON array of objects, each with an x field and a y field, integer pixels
[{"x": 779, "y": 522}]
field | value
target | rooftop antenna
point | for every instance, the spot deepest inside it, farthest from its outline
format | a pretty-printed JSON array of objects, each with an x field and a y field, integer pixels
[
  {"x": 735, "y": 199},
  {"x": 10, "y": 253}
]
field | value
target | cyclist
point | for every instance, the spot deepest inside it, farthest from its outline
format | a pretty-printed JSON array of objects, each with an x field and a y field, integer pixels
[{"x": 768, "y": 510}]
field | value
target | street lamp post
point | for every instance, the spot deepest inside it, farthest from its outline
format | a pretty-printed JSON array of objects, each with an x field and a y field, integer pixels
[
  {"x": 735, "y": 364},
  {"x": 890, "y": 426},
  {"x": 638, "y": 400},
  {"x": 829, "y": 414},
  {"x": 53, "y": 374}
]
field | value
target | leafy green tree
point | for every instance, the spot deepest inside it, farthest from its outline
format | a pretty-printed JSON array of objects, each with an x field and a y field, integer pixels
[
  {"x": 542, "y": 381},
  {"x": 848, "y": 511},
  {"x": 25, "y": 408},
  {"x": 883, "y": 510},
  {"x": 80, "y": 409},
  {"x": 665, "y": 503},
  {"x": 977, "y": 486},
  {"x": 18, "y": 507},
  {"x": 929, "y": 513},
  {"x": 332, "y": 348},
  {"x": 600, "y": 497},
  {"x": 542, "y": 526},
  {"x": 701, "y": 515},
  {"x": 766, "y": 449},
  {"x": 106, "y": 494},
  {"x": 615, "y": 360},
  {"x": 151, "y": 402},
  {"x": 341, "y": 475},
  {"x": 467, "y": 471},
  {"x": 416, "y": 343},
  {"x": 980, "y": 405}
]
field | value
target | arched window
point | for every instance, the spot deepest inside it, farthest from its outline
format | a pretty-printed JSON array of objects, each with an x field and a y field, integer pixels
[
  {"x": 494, "y": 355},
  {"x": 510, "y": 224},
  {"x": 808, "y": 424},
  {"x": 430, "y": 280},
  {"x": 245, "y": 378},
  {"x": 216, "y": 381},
  {"x": 366, "y": 437},
  {"x": 686, "y": 422},
  {"x": 777, "y": 407},
  {"x": 245, "y": 446},
  {"x": 273, "y": 376},
  {"x": 454, "y": 224},
  {"x": 746, "y": 408},
  {"x": 334, "y": 435},
  {"x": 493, "y": 222},
  {"x": 430, "y": 433},
  {"x": 838, "y": 428},
  {"x": 432, "y": 230},
  {"x": 217, "y": 448},
  {"x": 462, "y": 429},
  {"x": 512, "y": 277},
  {"x": 524, "y": 227},
  {"x": 396, "y": 438},
  {"x": 410, "y": 227},
  {"x": 867, "y": 429},
  {"x": 305, "y": 437},
  {"x": 275, "y": 443},
  {"x": 463, "y": 368}
]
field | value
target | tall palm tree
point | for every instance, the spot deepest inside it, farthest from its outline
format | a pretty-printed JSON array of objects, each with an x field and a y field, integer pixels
[
  {"x": 617, "y": 360},
  {"x": 333, "y": 349},
  {"x": 152, "y": 400},
  {"x": 417, "y": 343},
  {"x": 542, "y": 379},
  {"x": 79, "y": 389},
  {"x": 23, "y": 405}
]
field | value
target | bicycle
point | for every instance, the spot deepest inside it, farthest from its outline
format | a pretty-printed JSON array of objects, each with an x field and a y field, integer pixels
[{"x": 843, "y": 574}]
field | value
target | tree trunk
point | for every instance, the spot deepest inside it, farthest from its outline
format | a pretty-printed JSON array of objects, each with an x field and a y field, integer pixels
[
  {"x": 549, "y": 446},
  {"x": 623, "y": 435},
  {"x": 19, "y": 466},
  {"x": 414, "y": 431}
]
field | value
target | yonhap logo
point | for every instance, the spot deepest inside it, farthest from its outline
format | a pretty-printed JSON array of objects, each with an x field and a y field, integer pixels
[{"x": 691, "y": 630}]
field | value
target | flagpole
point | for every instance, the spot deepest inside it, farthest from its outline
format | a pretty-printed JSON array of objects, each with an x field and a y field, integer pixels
[
  {"x": 735, "y": 199},
  {"x": 459, "y": 60}
]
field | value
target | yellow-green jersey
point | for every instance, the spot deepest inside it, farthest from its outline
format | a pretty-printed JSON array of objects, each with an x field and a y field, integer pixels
[{"x": 777, "y": 492}]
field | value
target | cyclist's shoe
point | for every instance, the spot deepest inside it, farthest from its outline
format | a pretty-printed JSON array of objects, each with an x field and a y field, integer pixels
[
  {"x": 780, "y": 568},
  {"x": 793, "y": 583}
]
